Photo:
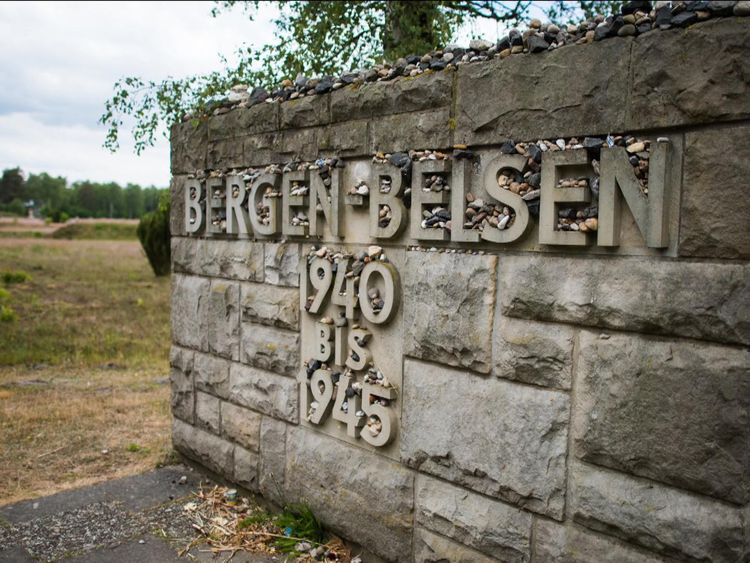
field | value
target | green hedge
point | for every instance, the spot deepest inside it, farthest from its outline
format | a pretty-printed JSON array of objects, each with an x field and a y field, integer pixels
[{"x": 153, "y": 232}]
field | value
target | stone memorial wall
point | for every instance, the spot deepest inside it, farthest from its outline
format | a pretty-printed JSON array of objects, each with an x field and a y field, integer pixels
[{"x": 497, "y": 310}]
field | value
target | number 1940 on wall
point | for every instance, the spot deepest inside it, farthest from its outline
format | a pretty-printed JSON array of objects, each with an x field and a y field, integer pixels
[{"x": 350, "y": 380}]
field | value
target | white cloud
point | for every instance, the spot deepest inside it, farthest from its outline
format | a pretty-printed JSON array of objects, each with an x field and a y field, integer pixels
[{"x": 59, "y": 60}]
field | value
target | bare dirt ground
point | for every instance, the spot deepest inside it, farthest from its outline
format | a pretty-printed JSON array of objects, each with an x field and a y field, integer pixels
[{"x": 84, "y": 391}]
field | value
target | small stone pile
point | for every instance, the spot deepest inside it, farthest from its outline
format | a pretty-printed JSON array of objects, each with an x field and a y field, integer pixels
[
  {"x": 635, "y": 18},
  {"x": 480, "y": 215}
]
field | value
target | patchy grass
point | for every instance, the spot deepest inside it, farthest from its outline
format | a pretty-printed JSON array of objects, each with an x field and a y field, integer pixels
[
  {"x": 97, "y": 231},
  {"x": 84, "y": 391}
]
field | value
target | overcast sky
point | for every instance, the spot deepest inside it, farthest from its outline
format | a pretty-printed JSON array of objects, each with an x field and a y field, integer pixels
[{"x": 59, "y": 60}]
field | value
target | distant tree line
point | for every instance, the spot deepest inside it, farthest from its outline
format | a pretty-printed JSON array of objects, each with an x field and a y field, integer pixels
[{"x": 52, "y": 197}]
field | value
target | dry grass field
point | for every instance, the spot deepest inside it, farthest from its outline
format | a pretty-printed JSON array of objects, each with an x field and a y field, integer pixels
[{"x": 84, "y": 347}]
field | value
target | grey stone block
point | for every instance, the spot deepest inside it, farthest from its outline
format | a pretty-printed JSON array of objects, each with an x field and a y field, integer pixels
[
  {"x": 344, "y": 139},
  {"x": 270, "y": 305},
  {"x": 524, "y": 100},
  {"x": 226, "y": 153},
  {"x": 177, "y": 206},
  {"x": 715, "y": 207},
  {"x": 669, "y": 410},
  {"x": 300, "y": 144},
  {"x": 262, "y": 149},
  {"x": 374, "y": 100},
  {"x": 182, "y": 398},
  {"x": 676, "y": 80},
  {"x": 666, "y": 520},
  {"x": 272, "y": 471},
  {"x": 211, "y": 375},
  {"x": 239, "y": 122},
  {"x": 190, "y": 311},
  {"x": 305, "y": 112},
  {"x": 265, "y": 392},
  {"x": 532, "y": 352},
  {"x": 406, "y": 131},
  {"x": 246, "y": 468},
  {"x": 449, "y": 300},
  {"x": 241, "y": 425},
  {"x": 432, "y": 548},
  {"x": 697, "y": 300},
  {"x": 334, "y": 478},
  {"x": 224, "y": 319},
  {"x": 233, "y": 259},
  {"x": 489, "y": 526},
  {"x": 208, "y": 412},
  {"x": 189, "y": 144},
  {"x": 282, "y": 264},
  {"x": 558, "y": 543},
  {"x": 513, "y": 438},
  {"x": 270, "y": 349},
  {"x": 210, "y": 451}
]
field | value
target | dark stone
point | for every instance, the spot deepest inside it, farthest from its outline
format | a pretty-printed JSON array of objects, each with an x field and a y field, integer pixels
[
  {"x": 643, "y": 28},
  {"x": 533, "y": 208},
  {"x": 684, "y": 19},
  {"x": 434, "y": 220},
  {"x": 633, "y": 159},
  {"x": 503, "y": 44},
  {"x": 535, "y": 180},
  {"x": 463, "y": 153},
  {"x": 413, "y": 59},
  {"x": 325, "y": 85},
  {"x": 508, "y": 147},
  {"x": 258, "y": 95},
  {"x": 535, "y": 153},
  {"x": 300, "y": 81},
  {"x": 400, "y": 159},
  {"x": 349, "y": 77},
  {"x": 593, "y": 143},
  {"x": 349, "y": 392},
  {"x": 537, "y": 44},
  {"x": 663, "y": 17},
  {"x": 438, "y": 64},
  {"x": 698, "y": 5},
  {"x": 445, "y": 215},
  {"x": 631, "y": 7},
  {"x": 627, "y": 30},
  {"x": 515, "y": 37},
  {"x": 371, "y": 76},
  {"x": 602, "y": 32},
  {"x": 721, "y": 7}
]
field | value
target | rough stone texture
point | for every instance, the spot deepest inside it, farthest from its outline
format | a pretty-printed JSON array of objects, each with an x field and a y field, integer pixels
[
  {"x": 189, "y": 311},
  {"x": 494, "y": 528},
  {"x": 205, "y": 448},
  {"x": 403, "y": 132},
  {"x": 260, "y": 118},
  {"x": 282, "y": 264},
  {"x": 335, "y": 478},
  {"x": 537, "y": 105},
  {"x": 305, "y": 112},
  {"x": 660, "y": 518},
  {"x": 177, "y": 206},
  {"x": 431, "y": 548},
  {"x": 188, "y": 143},
  {"x": 225, "y": 153},
  {"x": 300, "y": 144},
  {"x": 234, "y": 259},
  {"x": 513, "y": 437},
  {"x": 181, "y": 379},
  {"x": 264, "y": 392},
  {"x": 207, "y": 412},
  {"x": 677, "y": 412},
  {"x": 270, "y": 348},
  {"x": 272, "y": 470},
  {"x": 241, "y": 425},
  {"x": 697, "y": 300},
  {"x": 555, "y": 543},
  {"x": 211, "y": 375},
  {"x": 711, "y": 226},
  {"x": 270, "y": 305},
  {"x": 676, "y": 79},
  {"x": 263, "y": 149},
  {"x": 344, "y": 139},
  {"x": 427, "y": 91},
  {"x": 531, "y": 352},
  {"x": 449, "y": 300},
  {"x": 224, "y": 319},
  {"x": 246, "y": 468}
]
